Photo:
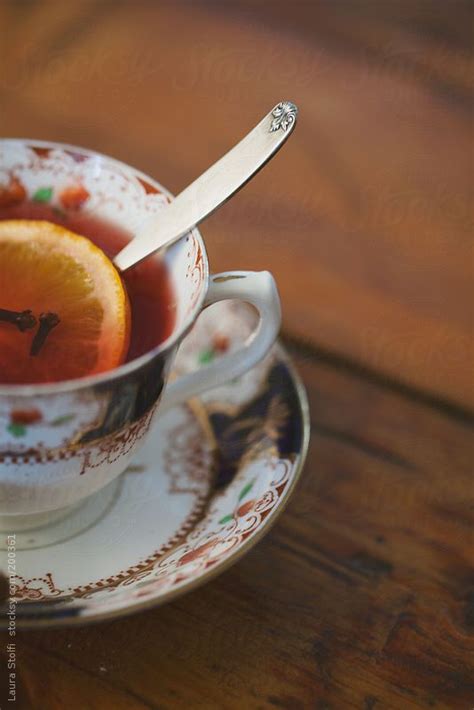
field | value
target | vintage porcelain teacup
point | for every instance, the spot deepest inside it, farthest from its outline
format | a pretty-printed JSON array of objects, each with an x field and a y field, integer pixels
[{"x": 59, "y": 443}]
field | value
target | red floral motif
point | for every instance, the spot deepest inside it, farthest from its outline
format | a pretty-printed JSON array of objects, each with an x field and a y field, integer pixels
[
  {"x": 149, "y": 189},
  {"x": 41, "y": 152},
  {"x": 198, "y": 552},
  {"x": 12, "y": 193},
  {"x": 73, "y": 198},
  {"x": 77, "y": 157},
  {"x": 245, "y": 508},
  {"x": 25, "y": 416},
  {"x": 220, "y": 343}
]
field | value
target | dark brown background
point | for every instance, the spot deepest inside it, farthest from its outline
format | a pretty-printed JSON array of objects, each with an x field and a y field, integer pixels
[{"x": 362, "y": 596}]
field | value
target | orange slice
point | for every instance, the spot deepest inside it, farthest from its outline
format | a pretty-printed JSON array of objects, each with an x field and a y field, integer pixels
[{"x": 48, "y": 269}]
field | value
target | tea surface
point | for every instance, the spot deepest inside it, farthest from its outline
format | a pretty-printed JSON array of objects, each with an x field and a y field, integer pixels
[{"x": 153, "y": 309}]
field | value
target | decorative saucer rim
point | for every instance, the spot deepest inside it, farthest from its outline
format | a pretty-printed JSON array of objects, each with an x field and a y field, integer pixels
[{"x": 43, "y": 616}]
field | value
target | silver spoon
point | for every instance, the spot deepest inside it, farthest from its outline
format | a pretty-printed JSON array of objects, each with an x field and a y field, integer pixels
[{"x": 212, "y": 188}]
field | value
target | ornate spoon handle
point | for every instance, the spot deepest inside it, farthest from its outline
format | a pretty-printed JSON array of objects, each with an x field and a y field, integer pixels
[{"x": 214, "y": 187}]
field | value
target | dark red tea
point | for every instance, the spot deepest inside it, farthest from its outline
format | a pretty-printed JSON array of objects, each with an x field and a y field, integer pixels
[{"x": 148, "y": 284}]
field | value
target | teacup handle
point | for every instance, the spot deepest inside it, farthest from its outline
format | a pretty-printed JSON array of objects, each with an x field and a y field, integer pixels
[{"x": 257, "y": 288}]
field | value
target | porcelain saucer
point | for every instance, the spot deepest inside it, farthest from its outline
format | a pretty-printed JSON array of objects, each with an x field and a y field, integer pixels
[{"x": 210, "y": 480}]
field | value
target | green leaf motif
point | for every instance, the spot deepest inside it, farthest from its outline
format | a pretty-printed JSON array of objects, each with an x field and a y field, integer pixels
[
  {"x": 43, "y": 194},
  {"x": 226, "y": 519},
  {"x": 64, "y": 419},
  {"x": 205, "y": 357},
  {"x": 16, "y": 429},
  {"x": 245, "y": 490}
]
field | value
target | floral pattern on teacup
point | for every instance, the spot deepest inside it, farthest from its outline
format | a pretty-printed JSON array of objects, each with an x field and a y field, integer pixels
[
  {"x": 31, "y": 424},
  {"x": 69, "y": 179},
  {"x": 73, "y": 178}
]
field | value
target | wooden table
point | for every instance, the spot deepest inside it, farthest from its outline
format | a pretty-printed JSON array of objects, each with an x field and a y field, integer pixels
[{"x": 362, "y": 595}]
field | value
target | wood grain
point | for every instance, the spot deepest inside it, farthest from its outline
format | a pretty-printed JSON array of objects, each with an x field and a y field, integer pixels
[
  {"x": 362, "y": 595},
  {"x": 370, "y": 204}
]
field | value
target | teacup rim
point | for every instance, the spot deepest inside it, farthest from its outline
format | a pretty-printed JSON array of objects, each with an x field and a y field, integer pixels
[{"x": 64, "y": 386}]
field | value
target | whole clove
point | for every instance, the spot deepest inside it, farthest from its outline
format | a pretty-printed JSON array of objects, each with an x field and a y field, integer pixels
[
  {"x": 47, "y": 321},
  {"x": 24, "y": 320}
]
